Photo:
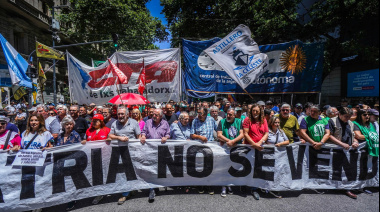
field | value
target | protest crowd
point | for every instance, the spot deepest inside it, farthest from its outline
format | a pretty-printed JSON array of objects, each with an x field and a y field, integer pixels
[{"x": 229, "y": 123}]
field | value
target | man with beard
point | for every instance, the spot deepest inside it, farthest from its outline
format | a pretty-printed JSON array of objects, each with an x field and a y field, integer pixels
[
  {"x": 108, "y": 120},
  {"x": 289, "y": 123},
  {"x": 81, "y": 125},
  {"x": 155, "y": 128},
  {"x": 170, "y": 116},
  {"x": 51, "y": 122},
  {"x": 230, "y": 132},
  {"x": 83, "y": 114},
  {"x": 123, "y": 130}
]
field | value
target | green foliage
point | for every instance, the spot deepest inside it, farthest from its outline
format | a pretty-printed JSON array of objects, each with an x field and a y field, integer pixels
[
  {"x": 92, "y": 20},
  {"x": 348, "y": 27}
]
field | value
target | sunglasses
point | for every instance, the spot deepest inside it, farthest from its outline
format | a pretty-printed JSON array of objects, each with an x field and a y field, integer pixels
[
  {"x": 366, "y": 114},
  {"x": 3, "y": 123},
  {"x": 51, "y": 114},
  {"x": 285, "y": 110}
]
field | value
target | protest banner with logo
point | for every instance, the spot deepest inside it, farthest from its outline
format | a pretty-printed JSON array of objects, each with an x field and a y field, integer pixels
[
  {"x": 77, "y": 171},
  {"x": 239, "y": 55},
  {"x": 293, "y": 67},
  {"x": 30, "y": 158},
  {"x": 48, "y": 52},
  {"x": 99, "y": 85}
]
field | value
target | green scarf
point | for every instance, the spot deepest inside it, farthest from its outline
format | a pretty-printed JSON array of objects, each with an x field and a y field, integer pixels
[{"x": 371, "y": 137}]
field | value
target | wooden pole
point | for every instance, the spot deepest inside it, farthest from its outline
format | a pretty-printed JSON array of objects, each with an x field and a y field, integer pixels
[{"x": 248, "y": 94}]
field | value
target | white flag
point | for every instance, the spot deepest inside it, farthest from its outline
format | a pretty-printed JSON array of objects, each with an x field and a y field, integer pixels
[{"x": 239, "y": 55}]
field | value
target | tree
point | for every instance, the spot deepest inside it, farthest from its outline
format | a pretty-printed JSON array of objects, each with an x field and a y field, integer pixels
[
  {"x": 348, "y": 27},
  {"x": 91, "y": 20}
]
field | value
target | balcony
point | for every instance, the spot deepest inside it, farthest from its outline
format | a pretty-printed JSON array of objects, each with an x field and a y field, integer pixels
[{"x": 31, "y": 10}]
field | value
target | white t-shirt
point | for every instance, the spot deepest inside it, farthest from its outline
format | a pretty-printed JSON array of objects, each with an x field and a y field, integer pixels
[
  {"x": 38, "y": 143},
  {"x": 20, "y": 105},
  {"x": 20, "y": 115},
  {"x": 10, "y": 108}
]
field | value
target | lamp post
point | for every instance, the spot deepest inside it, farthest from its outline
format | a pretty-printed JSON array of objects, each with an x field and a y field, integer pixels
[{"x": 54, "y": 37}]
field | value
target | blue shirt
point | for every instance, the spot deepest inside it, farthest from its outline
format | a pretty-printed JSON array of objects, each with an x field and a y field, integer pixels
[
  {"x": 205, "y": 128},
  {"x": 73, "y": 138},
  {"x": 180, "y": 132}
]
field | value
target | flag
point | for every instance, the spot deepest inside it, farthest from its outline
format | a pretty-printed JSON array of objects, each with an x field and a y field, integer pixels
[
  {"x": 41, "y": 76},
  {"x": 17, "y": 65},
  {"x": 142, "y": 81},
  {"x": 231, "y": 98},
  {"x": 18, "y": 92},
  {"x": 48, "y": 52},
  {"x": 34, "y": 93},
  {"x": 120, "y": 75},
  {"x": 239, "y": 55},
  {"x": 97, "y": 63}
]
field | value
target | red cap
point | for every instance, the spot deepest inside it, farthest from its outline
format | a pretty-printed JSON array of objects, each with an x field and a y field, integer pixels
[
  {"x": 135, "y": 107},
  {"x": 98, "y": 116}
]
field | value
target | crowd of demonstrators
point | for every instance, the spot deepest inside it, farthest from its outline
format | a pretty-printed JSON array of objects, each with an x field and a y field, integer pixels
[{"x": 255, "y": 124}]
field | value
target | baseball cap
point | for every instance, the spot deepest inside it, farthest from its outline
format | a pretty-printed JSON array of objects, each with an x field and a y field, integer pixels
[
  {"x": 261, "y": 103},
  {"x": 98, "y": 116},
  {"x": 238, "y": 109},
  {"x": 374, "y": 112},
  {"x": 269, "y": 102},
  {"x": 299, "y": 105},
  {"x": 4, "y": 118}
]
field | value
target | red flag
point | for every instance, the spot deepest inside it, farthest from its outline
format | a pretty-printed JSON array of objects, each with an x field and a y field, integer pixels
[
  {"x": 142, "y": 81},
  {"x": 120, "y": 75}
]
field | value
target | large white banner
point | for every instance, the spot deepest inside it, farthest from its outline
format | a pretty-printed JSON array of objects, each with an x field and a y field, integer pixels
[
  {"x": 78, "y": 171},
  {"x": 239, "y": 55},
  {"x": 98, "y": 85}
]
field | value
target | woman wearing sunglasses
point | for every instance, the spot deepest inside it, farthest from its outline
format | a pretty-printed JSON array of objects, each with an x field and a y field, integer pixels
[{"x": 365, "y": 131}]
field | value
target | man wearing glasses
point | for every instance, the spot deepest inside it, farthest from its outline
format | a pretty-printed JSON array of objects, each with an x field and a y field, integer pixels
[
  {"x": 81, "y": 125},
  {"x": 51, "y": 122},
  {"x": 289, "y": 123}
]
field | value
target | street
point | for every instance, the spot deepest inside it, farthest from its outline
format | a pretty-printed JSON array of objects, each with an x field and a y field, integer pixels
[{"x": 177, "y": 200}]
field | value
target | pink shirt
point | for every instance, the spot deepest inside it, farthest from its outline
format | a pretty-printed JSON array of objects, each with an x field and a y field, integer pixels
[
  {"x": 142, "y": 124},
  {"x": 15, "y": 139}
]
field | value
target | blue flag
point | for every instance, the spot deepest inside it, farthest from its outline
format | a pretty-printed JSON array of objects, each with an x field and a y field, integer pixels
[
  {"x": 293, "y": 67},
  {"x": 17, "y": 65}
]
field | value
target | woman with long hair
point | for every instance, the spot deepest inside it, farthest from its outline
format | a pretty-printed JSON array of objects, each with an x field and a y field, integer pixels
[
  {"x": 256, "y": 133},
  {"x": 365, "y": 131},
  {"x": 136, "y": 115},
  {"x": 36, "y": 136}
]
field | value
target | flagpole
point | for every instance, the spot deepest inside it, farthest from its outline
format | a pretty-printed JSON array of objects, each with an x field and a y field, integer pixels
[
  {"x": 146, "y": 95},
  {"x": 248, "y": 93}
]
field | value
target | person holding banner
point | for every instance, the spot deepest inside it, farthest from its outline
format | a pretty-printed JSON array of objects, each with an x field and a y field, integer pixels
[
  {"x": 155, "y": 128},
  {"x": 123, "y": 130},
  {"x": 69, "y": 135},
  {"x": 342, "y": 134},
  {"x": 230, "y": 132},
  {"x": 365, "y": 131},
  {"x": 314, "y": 129},
  {"x": 289, "y": 123},
  {"x": 9, "y": 140},
  {"x": 277, "y": 136},
  {"x": 97, "y": 132},
  {"x": 256, "y": 133},
  {"x": 36, "y": 136},
  {"x": 181, "y": 130}
]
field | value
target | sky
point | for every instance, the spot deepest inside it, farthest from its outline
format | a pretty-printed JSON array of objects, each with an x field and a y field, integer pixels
[{"x": 155, "y": 9}]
